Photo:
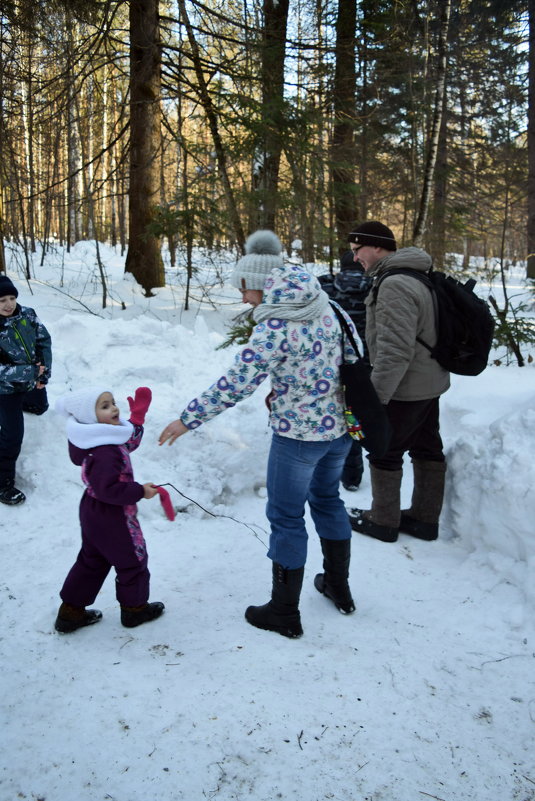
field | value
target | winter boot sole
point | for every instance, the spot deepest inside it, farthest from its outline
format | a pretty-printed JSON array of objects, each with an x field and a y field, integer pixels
[
  {"x": 130, "y": 617},
  {"x": 416, "y": 528},
  {"x": 362, "y": 525},
  {"x": 266, "y": 618},
  {"x": 12, "y": 497}
]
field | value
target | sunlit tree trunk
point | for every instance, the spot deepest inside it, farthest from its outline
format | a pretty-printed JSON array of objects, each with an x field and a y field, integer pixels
[
  {"x": 432, "y": 149},
  {"x": 531, "y": 143},
  {"x": 29, "y": 132},
  {"x": 2, "y": 144},
  {"x": 343, "y": 147},
  {"x": 73, "y": 149},
  {"x": 211, "y": 114},
  {"x": 267, "y": 160},
  {"x": 144, "y": 258},
  {"x": 437, "y": 239}
]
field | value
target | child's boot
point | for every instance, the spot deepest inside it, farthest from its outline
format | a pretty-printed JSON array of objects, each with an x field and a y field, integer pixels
[
  {"x": 71, "y": 618},
  {"x": 10, "y": 495},
  {"x": 132, "y": 616}
]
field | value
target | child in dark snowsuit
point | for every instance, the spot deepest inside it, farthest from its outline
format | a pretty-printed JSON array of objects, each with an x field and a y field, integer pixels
[
  {"x": 349, "y": 289},
  {"x": 100, "y": 441},
  {"x": 25, "y": 363}
]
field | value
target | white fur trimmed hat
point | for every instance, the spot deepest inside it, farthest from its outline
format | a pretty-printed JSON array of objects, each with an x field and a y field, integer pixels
[
  {"x": 263, "y": 252},
  {"x": 80, "y": 404}
]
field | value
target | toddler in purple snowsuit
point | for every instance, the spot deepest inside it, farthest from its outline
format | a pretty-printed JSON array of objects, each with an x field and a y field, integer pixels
[{"x": 100, "y": 442}]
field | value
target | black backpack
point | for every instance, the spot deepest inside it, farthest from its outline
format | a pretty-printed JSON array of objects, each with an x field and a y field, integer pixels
[{"x": 465, "y": 325}]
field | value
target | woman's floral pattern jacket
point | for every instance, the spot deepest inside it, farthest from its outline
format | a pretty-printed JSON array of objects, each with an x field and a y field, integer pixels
[{"x": 301, "y": 358}]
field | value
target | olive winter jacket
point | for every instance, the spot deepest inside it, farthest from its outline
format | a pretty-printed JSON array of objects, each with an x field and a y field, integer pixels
[{"x": 403, "y": 368}]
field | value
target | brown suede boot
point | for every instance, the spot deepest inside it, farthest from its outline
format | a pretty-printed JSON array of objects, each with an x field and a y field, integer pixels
[
  {"x": 382, "y": 520},
  {"x": 71, "y": 618},
  {"x": 421, "y": 520},
  {"x": 132, "y": 616}
]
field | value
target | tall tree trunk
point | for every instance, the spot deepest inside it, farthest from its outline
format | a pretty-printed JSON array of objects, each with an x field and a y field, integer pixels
[
  {"x": 2, "y": 128},
  {"x": 531, "y": 143},
  {"x": 210, "y": 111},
  {"x": 144, "y": 259},
  {"x": 364, "y": 132},
  {"x": 267, "y": 163},
  {"x": 29, "y": 134},
  {"x": 73, "y": 146},
  {"x": 440, "y": 88},
  {"x": 343, "y": 153},
  {"x": 438, "y": 226},
  {"x": 2, "y": 253}
]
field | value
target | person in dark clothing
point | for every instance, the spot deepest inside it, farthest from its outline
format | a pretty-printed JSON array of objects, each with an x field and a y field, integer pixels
[
  {"x": 408, "y": 382},
  {"x": 349, "y": 289},
  {"x": 100, "y": 442},
  {"x": 25, "y": 364}
]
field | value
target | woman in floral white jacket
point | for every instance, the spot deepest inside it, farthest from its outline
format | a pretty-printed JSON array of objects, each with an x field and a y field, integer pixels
[{"x": 297, "y": 344}]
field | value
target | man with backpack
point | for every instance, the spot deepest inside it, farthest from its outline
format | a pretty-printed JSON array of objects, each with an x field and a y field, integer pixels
[
  {"x": 349, "y": 289},
  {"x": 400, "y": 320}
]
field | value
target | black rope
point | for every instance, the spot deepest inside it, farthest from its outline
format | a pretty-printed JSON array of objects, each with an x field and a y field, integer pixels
[{"x": 213, "y": 514}]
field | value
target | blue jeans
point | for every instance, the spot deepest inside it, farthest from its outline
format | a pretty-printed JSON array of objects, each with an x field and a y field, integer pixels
[
  {"x": 12, "y": 427},
  {"x": 298, "y": 472}
]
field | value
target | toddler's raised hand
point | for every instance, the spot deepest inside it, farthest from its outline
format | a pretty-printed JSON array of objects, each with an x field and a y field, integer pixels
[
  {"x": 139, "y": 405},
  {"x": 149, "y": 490}
]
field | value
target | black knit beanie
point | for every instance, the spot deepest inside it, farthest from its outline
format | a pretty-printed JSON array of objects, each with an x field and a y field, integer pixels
[
  {"x": 373, "y": 233},
  {"x": 7, "y": 287}
]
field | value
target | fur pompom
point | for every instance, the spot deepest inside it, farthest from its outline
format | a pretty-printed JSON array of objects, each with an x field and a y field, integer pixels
[{"x": 264, "y": 242}]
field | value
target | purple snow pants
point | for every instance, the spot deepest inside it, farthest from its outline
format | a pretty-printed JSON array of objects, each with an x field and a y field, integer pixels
[{"x": 107, "y": 542}]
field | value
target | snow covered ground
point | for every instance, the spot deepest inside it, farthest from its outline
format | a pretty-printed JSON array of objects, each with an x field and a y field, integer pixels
[{"x": 427, "y": 692}]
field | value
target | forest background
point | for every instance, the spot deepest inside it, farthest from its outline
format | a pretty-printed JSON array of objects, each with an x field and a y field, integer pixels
[{"x": 131, "y": 122}]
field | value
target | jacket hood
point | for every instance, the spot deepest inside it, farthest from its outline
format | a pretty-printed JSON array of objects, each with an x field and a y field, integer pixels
[
  {"x": 291, "y": 293},
  {"x": 413, "y": 258},
  {"x": 78, "y": 454}
]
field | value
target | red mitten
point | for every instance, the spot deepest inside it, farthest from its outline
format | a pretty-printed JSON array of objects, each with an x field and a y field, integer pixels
[
  {"x": 139, "y": 405},
  {"x": 167, "y": 506}
]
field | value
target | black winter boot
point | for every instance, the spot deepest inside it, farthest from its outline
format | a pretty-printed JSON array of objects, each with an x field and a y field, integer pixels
[
  {"x": 71, "y": 618},
  {"x": 132, "y": 616},
  {"x": 10, "y": 495},
  {"x": 333, "y": 582},
  {"x": 281, "y": 614},
  {"x": 382, "y": 521},
  {"x": 421, "y": 520}
]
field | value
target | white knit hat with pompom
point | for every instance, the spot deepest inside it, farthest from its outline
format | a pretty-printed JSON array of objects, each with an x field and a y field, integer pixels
[{"x": 263, "y": 251}]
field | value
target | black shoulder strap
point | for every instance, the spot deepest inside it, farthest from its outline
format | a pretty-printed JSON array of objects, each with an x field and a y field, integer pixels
[
  {"x": 423, "y": 277},
  {"x": 345, "y": 327}
]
